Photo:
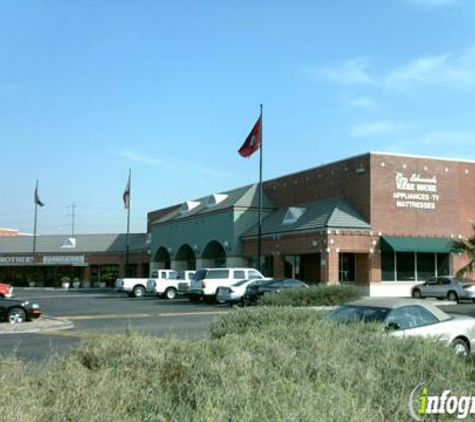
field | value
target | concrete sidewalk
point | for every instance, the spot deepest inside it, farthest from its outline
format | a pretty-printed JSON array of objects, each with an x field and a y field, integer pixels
[{"x": 44, "y": 323}]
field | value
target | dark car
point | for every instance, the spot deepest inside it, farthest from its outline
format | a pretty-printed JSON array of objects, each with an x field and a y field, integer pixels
[
  {"x": 274, "y": 285},
  {"x": 15, "y": 311}
]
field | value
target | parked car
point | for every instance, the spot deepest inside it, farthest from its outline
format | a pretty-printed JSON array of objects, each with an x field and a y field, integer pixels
[
  {"x": 16, "y": 311},
  {"x": 235, "y": 293},
  {"x": 169, "y": 283},
  {"x": 137, "y": 287},
  {"x": 206, "y": 281},
  {"x": 445, "y": 287},
  {"x": 6, "y": 290},
  {"x": 185, "y": 278},
  {"x": 273, "y": 285},
  {"x": 409, "y": 317}
]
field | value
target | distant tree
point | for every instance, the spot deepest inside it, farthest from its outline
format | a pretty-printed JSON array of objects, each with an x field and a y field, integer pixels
[{"x": 466, "y": 247}]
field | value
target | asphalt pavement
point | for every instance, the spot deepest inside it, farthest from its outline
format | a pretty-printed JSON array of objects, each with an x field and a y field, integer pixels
[{"x": 97, "y": 312}]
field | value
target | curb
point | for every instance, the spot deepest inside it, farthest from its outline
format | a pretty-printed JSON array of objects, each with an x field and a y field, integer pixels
[{"x": 43, "y": 323}]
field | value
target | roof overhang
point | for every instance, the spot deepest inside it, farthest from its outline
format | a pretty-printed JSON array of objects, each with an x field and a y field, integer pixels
[{"x": 416, "y": 244}]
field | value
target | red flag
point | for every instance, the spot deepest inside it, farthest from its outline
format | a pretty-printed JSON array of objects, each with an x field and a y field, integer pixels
[
  {"x": 37, "y": 197},
  {"x": 253, "y": 140}
]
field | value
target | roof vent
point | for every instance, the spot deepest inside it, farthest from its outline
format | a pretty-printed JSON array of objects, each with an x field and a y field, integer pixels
[
  {"x": 292, "y": 215},
  {"x": 69, "y": 243},
  {"x": 189, "y": 205},
  {"x": 216, "y": 199}
]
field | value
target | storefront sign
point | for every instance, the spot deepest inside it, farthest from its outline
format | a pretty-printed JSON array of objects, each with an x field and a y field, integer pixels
[
  {"x": 16, "y": 260},
  {"x": 416, "y": 191},
  {"x": 63, "y": 259}
]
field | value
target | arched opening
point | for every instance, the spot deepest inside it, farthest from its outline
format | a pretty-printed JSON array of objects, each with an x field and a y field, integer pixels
[
  {"x": 215, "y": 253},
  {"x": 185, "y": 258},
  {"x": 161, "y": 259}
]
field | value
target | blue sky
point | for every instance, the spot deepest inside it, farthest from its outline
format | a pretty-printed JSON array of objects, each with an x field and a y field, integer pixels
[{"x": 170, "y": 89}]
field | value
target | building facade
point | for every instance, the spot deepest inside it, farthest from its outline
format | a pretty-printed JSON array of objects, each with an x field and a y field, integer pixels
[
  {"x": 382, "y": 221},
  {"x": 93, "y": 259}
]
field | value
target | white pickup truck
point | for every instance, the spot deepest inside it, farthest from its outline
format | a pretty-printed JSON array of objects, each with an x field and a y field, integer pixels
[
  {"x": 169, "y": 287},
  {"x": 137, "y": 287}
]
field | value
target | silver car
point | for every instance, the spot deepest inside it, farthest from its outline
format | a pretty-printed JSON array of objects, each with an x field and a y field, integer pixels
[
  {"x": 445, "y": 287},
  {"x": 410, "y": 317}
]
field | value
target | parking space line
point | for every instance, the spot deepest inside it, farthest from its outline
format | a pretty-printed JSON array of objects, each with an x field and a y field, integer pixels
[
  {"x": 111, "y": 316},
  {"x": 170, "y": 314},
  {"x": 131, "y": 316}
]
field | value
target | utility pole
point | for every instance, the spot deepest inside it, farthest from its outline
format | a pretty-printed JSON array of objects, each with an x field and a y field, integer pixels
[{"x": 73, "y": 217}]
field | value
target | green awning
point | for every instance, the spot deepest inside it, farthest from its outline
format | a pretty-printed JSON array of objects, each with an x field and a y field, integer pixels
[{"x": 416, "y": 244}]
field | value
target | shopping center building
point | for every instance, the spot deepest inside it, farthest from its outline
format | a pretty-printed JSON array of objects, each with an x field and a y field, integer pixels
[
  {"x": 381, "y": 221},
  {"x": 91, "y": 259}
]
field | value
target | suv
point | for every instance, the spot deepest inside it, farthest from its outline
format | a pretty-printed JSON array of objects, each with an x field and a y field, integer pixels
[{"x": 205, "y": 282}]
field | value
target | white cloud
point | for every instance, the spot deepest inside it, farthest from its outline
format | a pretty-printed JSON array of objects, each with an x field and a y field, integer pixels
[
  {"x": 436, "y": 70},
  {"x": 432, "y": 3},
  {"x": 140, "y": 158},
  {"x": 352, "y": 72},
  {"x": 447, "y": 138},
  {"x": 366, "y": 102},
  {"x": 367, "y": 129}
]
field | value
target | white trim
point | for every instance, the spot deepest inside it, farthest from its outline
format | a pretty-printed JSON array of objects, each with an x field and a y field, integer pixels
[{"x": 427, "y": 157}]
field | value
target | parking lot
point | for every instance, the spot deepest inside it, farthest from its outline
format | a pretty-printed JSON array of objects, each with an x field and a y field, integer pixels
[{"x": 106, "y": 312}]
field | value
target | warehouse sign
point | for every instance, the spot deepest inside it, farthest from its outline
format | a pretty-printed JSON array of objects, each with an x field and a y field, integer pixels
[
  {"x": 63, "y": 259},
  {"x": 415, "y": 191}
]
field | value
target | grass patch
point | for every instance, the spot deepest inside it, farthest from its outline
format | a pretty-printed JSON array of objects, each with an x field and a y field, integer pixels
[
  {"x": 313, "y": 296},
  {"x": 264, "y": 364}
]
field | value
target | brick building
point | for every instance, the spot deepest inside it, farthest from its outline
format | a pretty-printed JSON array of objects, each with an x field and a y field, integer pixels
[
  {"x": 383, "y": 221},
  {"x": 94, "y": 259}
]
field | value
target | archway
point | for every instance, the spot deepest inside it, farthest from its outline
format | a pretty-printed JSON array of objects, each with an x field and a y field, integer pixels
[
  {"x": 215, "y": 253},
  {"x": 185, "y": 258},
  {"x": 161, "y": 259}
]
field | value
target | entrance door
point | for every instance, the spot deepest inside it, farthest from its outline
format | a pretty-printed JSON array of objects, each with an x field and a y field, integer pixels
[{"x": 347, "y": 267}]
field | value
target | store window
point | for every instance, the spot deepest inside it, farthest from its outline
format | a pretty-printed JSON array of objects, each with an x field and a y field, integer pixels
[
  {"x": 443, "y": 264},
  {"x": 405, "y": 266},
  {"x": 388, "y": 266},
  {"x": 347, "y": 267},
  {"x": 425, "y": 266}
]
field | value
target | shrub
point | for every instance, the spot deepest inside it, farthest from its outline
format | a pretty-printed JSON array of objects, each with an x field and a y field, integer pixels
[
  {"x": 287, "y": 366},
  {"x": 313, "y": 296}
]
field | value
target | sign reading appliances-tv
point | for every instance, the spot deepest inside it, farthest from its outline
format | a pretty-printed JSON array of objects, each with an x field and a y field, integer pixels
[{"x": 415, "y": 191}]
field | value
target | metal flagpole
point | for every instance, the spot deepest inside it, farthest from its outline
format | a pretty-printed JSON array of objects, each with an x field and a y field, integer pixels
[
  {"x": 259, "y": 212},
  {"x": 34, "y": 225},
  {"x": 128, "y": 225}
]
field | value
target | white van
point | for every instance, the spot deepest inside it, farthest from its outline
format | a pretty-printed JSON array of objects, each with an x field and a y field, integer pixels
[{"x": 206, "y": 281}]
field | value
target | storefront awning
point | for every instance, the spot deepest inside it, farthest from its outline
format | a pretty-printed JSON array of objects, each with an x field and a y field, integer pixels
[{"x": 416, "y": 244}]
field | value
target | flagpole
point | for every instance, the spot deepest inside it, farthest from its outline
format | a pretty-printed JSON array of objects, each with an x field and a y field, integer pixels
[
  {"x": 34, "y": 225},
  {"x": 128, "y": 227},
  {"x": 259, "y": 212}
]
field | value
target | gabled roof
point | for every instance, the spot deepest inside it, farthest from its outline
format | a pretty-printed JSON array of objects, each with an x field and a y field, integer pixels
[
  {"x": 330, "y": 214},
  {"x": 244, "y": 197},
  {"x": 85, "y": 243}
]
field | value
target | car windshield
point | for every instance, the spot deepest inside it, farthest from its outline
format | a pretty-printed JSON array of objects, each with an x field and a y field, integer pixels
[{"x": 352, "y": 313}]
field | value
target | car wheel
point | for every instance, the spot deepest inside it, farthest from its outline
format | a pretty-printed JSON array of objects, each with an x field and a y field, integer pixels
[
  {"x": 416, "y": 294},
  {"x": 461, "y": 347},
  {"x": 452, "y": 296},
  {"x": 170, "y": 293},
  {"x": 16, "y": 315},
  {"x": 139, "y": 291}
]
